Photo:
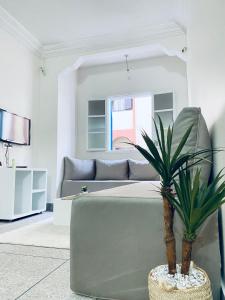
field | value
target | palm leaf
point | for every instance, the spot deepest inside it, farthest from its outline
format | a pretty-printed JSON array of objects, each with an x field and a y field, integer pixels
[
  {"x": 194, "y": 201},
  {"x": 151, "y": 146},
  {"x": 161, "y": 158}
]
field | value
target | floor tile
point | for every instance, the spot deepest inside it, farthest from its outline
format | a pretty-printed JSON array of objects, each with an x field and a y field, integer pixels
[
  {"x": 6, "y": 226},
  {"x": 56, "y": 286},
  {"x": 35, "y": 251},
  {"x": 18, "y": 273}
]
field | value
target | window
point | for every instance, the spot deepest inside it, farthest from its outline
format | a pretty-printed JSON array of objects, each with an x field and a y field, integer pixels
[
  {"x": 128, "y": 116},
  {"x": 115, "y": 123}
]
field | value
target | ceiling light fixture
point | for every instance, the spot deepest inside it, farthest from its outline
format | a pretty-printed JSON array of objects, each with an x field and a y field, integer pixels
[{"x": 127, "y": 67}]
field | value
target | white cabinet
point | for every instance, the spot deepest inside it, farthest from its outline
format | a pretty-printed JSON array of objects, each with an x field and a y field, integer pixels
[{"x": 23, "y": 192}]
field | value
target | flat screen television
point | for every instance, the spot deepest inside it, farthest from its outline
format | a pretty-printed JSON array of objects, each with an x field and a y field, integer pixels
[{"x": 14, "y": 129}]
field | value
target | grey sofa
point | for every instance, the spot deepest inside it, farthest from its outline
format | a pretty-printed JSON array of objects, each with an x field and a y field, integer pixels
[
  {"x": 103, "y": 174},
  {"x": 117, "y": 234}
]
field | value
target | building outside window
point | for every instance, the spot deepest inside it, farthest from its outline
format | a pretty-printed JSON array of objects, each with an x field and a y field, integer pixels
[{"x": 128, "y": 117}]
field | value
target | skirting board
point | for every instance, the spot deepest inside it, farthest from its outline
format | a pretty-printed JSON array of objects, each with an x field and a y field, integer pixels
[{"x": 49, "y": 207}]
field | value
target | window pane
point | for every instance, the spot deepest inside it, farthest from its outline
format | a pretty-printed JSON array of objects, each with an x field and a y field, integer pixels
[
  {"x": 96, "y": 107},
  {"x": 122, "y": 104},
  {"x": 96, "y": 124},
  {"x": 163, "y": 101},
  {"x": 129, "y": 116},
  {"x": 96, "y": 140}
]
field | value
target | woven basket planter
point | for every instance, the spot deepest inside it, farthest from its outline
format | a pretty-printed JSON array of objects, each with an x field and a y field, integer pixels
[{"x": 156, "y": 292}]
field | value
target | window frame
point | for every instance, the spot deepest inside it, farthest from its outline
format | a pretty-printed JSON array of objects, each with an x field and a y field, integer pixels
[{"x": 108, "y": 99}]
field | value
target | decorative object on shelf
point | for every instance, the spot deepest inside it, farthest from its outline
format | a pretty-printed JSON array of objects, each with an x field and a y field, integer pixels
[
  {"x": 84, "y": 189},
  {"x": 169, "y": 165}
]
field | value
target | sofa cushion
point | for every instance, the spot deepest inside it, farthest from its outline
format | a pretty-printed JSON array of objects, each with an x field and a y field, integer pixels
[
  {"x": 198, "y": 139},
  {"x": 111, "y": 169},
  {"x": 141, "y": 170},
  {"x": 77, "y": 169}
]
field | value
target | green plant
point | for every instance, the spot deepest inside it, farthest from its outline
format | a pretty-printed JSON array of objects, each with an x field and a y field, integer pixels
[
  {"x": 195, "y": 202},
  {"x": 168, "y": 163}
]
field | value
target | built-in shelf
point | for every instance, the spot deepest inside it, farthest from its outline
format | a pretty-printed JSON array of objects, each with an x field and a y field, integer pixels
[
  {"x": 97, "y": 116},
  {"x": 163, "y": 110},
  {"x": 96, "y": 125},
  {"x": 23, "y": 192},
  {"x": 163, "y": 107},
  {"x": 39, "y": 191},
  {"x": 96, "y": 132},
  {"x": 97, "y": 149}
]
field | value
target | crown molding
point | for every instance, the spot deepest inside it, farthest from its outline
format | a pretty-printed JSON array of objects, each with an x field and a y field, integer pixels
[
  {"x": 18, "y": 31},
  {"x": 134, "y": 37},
  {"x": 138, "y": 36}
]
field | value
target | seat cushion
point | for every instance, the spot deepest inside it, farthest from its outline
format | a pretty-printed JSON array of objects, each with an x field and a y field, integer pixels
[
  {"x": 73, "y": 187},
  {"x": 77, "y": 169},
  {"x": 198, "y": 139},
  {"x": 141, "y": 170},
  {"x": 111, "y": 169}
]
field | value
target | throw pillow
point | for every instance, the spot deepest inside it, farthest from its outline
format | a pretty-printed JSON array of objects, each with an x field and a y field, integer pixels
[
  {"x": 78, "y": 169},
  {"x": 111, "y": 169},
  {"x": 141, "y": 170}
]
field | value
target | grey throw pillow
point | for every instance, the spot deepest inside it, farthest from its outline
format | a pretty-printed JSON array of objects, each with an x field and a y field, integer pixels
[
  {"x": 78, "y": 169},
  {"x": 111, "y": 169},
  {"x": 141, "y": 170}
]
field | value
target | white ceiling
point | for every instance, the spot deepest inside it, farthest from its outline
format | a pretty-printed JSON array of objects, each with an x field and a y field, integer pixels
[{"x": 61, "y": 21}]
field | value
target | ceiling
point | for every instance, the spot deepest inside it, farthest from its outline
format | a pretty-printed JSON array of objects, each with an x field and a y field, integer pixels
[{"x": 60, "y": 21}]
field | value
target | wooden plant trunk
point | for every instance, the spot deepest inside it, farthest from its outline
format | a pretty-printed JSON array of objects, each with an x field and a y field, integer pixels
[
  {"x": 186, "y": 256},
  {"x": 169, "y": 238}
]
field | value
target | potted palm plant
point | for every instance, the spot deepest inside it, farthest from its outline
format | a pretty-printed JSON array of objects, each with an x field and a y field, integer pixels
[
  {"x": 194, "y": 202},
  {"x": 167, "y": 164}
]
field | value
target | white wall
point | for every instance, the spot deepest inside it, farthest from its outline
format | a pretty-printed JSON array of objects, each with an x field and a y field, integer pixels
[
  {"x": 66, "y": 131},
  {"x": 48, "y": 118},
  {"x": 154, "y": 75},
  {"x": 19, "y": 91},
  {"x": 206, "y": 68}
]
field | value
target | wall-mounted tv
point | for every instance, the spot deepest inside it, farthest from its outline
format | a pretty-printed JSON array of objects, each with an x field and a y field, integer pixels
[{"x": 14, "y": 129}]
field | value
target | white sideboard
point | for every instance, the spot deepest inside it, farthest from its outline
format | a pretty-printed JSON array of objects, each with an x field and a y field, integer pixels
[{"x": 23, "y": 192}]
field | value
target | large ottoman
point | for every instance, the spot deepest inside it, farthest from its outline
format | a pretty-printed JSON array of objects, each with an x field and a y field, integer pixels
[{"x": 117, "y": 238}]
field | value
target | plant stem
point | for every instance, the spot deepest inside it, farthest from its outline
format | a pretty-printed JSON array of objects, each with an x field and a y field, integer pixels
[
  {"x": 169, "y": 238},
  {"x": 186, "y": 256}
]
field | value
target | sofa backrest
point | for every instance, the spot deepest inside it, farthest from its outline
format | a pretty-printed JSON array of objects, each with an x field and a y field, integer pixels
[{"x": 91, "y": 169}]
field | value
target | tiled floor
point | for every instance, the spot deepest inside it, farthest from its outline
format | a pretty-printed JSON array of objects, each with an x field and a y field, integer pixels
[
  {"x": 8, "y": 225},
  {"x": 28, "y": 272}
]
